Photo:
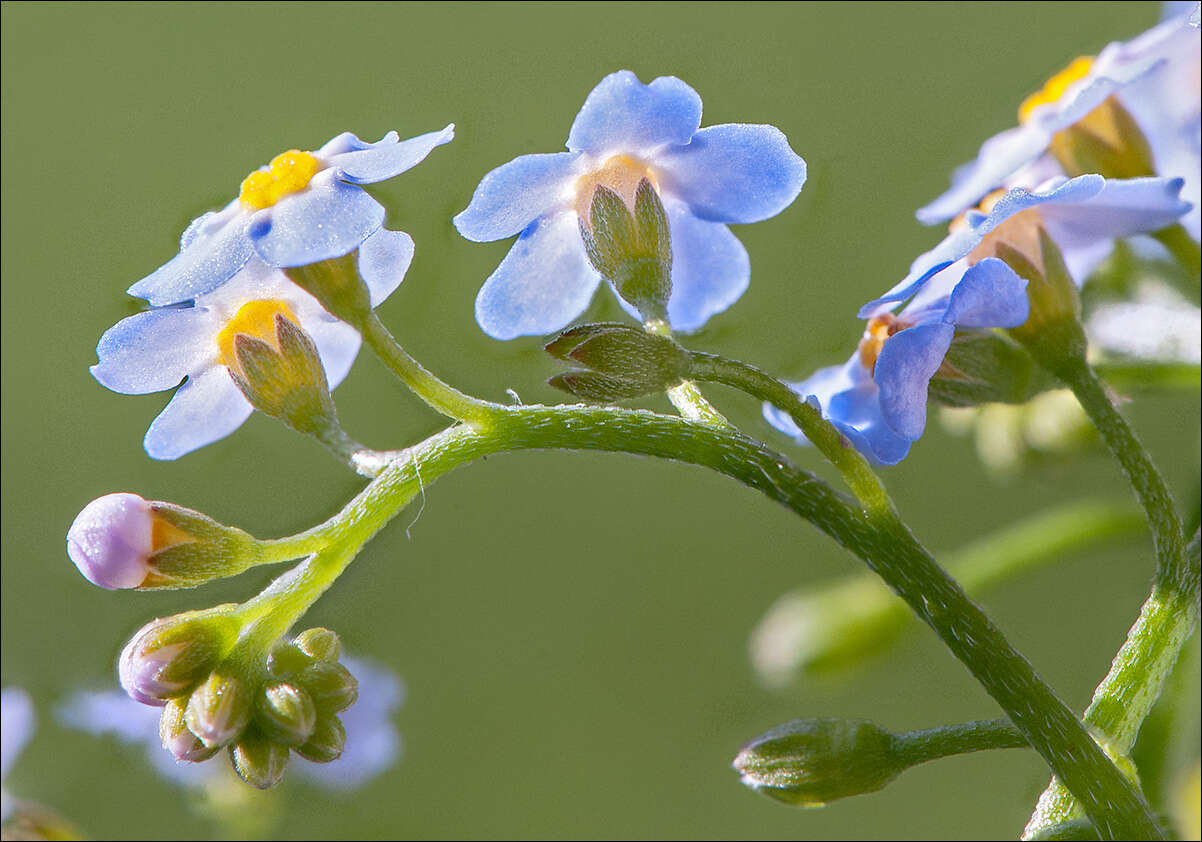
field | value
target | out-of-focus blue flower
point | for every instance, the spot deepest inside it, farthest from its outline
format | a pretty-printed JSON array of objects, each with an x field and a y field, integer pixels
[
  {"x": 1083, "y": 215},
  {"x": 16, "y": 727},
  {"x": 878, "y": 398},
  {"x": 1155, "y": 78},
  {"x": 155, "y": 350},
  {"x": 300, "y": 209},
  {"x": 625, "y": 132},
  {"x": 373, "y": 743}
]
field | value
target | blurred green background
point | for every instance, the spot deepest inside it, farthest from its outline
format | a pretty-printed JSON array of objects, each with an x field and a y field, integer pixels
[{"x": 572, "y": 629}]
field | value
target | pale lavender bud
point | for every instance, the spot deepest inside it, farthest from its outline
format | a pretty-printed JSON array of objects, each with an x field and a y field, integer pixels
[
  {"x": 177, "y": 739},
  {"x": 170, "y": 656},
  {"x": 111, "y": 541}
]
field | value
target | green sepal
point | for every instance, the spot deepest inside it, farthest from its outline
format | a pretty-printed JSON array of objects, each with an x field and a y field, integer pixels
[
  {"x": 219, "y": 709},
  {"x": 986, "y": 366},
  {"x": 1079, "y": 149},
  {"x": 598, "y": 388},
  {"x": 1052, "y": 332},
  {"x": 652, "y": 362},
  {"x": 177, "y": 739},
  {"x": 320, "y": 644},
  {"x": 215, "y": 550},
  {"x": 633, "y": 251},
  {"x": 337, "y": 285},
  {"x": 289, "y": 384},
  {"x": 331, "y": 686},
  {"x": 285, "y": 713}
]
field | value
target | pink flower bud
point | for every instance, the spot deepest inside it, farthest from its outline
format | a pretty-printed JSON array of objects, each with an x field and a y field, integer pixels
[{"x": 111, "y": 541}]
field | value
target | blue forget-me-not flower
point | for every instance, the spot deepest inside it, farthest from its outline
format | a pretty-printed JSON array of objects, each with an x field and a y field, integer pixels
[
  {"x": 878, "y": 398},
  {"x": 626, "y": 132},
  {"x": 16, "y": 727},
  {"x": 1136, "y": 106},
  {"x": 302, "y": 208},
  {"x": 156, "y": 349}
]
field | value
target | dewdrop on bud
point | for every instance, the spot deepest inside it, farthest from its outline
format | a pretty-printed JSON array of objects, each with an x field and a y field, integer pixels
[
  {"x": 170, "y": 656},
  {"x": 808, "y": 762},
  {"x": 259, "y": 760},
  {"x": 219, "y": 709},
  {"x": 124, "y": 541},
  {"x": 285, "y": 713},
  {"x": 177, "y": 739}
]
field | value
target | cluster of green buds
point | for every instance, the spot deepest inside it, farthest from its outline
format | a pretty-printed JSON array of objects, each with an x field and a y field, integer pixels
[{"x": 216, "y": 697}]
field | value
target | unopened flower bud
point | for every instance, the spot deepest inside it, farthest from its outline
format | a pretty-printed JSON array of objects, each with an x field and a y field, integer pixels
[
  {"x": 327, "y": 741},
  {"x": 288, "y": 660},
  {"x": 286, "y": 713},
  {"x": 177, "y": 739},
  {"x": 321, "y": 644},
  {"x": 219, "y": 709},
  {"x": 275, "y": 364},
  {"x": 259, "y": 760},
  {"x": 124, "y": 541},
  {"x": 809, "y": 762},
  {"x": 331, "y": 686},
  {"x": 623, "y": 361},
  {"x": 170, "y": 656},
  {"x": 631, "y": 247}
]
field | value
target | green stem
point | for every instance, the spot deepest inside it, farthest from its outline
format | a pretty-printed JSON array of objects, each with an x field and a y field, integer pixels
[
  {"x": 917, "y": 747},
  {"x": 685, "y": 396},
  {"x": 1186, "y": 251},
  {"x": 1125, "y": 697},
  {"x": 1112, "y": 802},
  {"x": 856, "y": 471},
  {"x": 439, "y": 395}
]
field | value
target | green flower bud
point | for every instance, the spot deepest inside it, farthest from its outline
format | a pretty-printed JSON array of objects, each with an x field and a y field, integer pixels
[
  {"x": 219, "y": 709},
  {"x": 327, "y": 742},
  {"x": 285, "y": 713},
  {"x": 1052, "y": 332},
  {"x": 287, "y": 660},
  {"x": 320, "y": 644},
  {"x": 627, "y": 361},
  {"x": 337, "y": 285},
  {"x": 631, "y": 247},
  {"x": 331, "y": 686},
  {"x": 177, "y": 739},
  {"x": 827, "y": 630},
  {"x": 809, "y": 762},
  {"x": 258, "y": 760},
  {"x": 170, "y": 656}
]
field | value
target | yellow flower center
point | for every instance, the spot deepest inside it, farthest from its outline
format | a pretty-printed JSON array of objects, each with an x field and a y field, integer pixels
[
  {"x": 288, "y": 172},
  {"x": 1055, "y": 87},
  {"x": 255, "y": 319},
  {"x": 879, "y": 329},
  {"x": 621, "y": 174}
]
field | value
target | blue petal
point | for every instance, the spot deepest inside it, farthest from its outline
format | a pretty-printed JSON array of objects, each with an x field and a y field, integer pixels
[
  {"x": 734, "y": 172},
  {"x": 209, "y": 260},
  {"x": 850, "y": 400},
  {"x": 388, "y": 158},
  {"x": 903, "y": 372},
  {"x": 154, "y": 350},
  {"x": 542, "y": 284},
  {"x": 959, "y": 243},
  {"x": 989, "y": 295},
  {"x": 206, "y": 408},
  {"x": 1004, "y": 154},
  {"x": 325, "y": 221},
  {"x": 515, "y": 194},
  {"x": 340, "y": 144},
  {"x": 1122, "y": 208},
  {"x": 710, "y": 268},
  {"x": 622, "y": 114},
  {"x": 384, "y": 259}
]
